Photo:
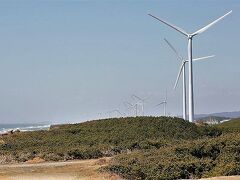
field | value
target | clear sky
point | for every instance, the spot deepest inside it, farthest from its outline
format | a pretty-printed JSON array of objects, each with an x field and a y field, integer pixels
[{"x": 68, "y": 61}]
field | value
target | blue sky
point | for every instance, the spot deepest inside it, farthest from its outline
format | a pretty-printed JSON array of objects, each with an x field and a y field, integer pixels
[{"x": 68, "y": 61}]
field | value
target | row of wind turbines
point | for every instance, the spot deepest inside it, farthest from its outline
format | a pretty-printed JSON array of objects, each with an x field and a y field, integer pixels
[
  {"x": 189, "y": 61},
  {"x": 136, "y": 107},
  {"x": 140, "y": 102}
]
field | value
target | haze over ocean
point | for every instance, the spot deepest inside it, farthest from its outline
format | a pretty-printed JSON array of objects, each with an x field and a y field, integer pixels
[{"x": 68, "y": 61}]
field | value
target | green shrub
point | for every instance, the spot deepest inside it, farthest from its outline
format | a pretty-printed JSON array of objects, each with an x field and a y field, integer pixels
[{"x": 194, "y": 159}]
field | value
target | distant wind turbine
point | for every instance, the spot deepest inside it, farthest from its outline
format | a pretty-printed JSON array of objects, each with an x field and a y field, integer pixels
[
  {"x": 142, "y": 100},
  {"x": 117, "y": 111},
  {"x": 134, "y": 107},
  {"x": 164, "y": 105},
  {"x": 100, "y": 115},
  {"x": 183, "y": 71},
  {"x": 190, "y": 37}
]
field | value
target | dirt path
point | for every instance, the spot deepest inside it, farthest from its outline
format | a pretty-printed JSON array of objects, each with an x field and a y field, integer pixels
[
  {"x": 223, "y": 178},
  {"x": 72, "y": 170}
]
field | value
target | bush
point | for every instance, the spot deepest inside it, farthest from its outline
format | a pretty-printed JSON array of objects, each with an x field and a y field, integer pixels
[
  {"x": 85, "y": 154},
  {"x": 194, "y": 159},
  {"x": 53, "y": 157}
]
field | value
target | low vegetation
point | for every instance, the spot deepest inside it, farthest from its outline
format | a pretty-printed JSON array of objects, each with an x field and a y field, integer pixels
[
  {"x": 145, "y": 147},
  {"x": 195, "y": 159},
  {"x": 99, "y": 138}
]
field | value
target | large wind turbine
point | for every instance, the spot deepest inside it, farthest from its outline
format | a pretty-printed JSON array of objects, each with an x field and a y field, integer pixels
[
  {"x": 182, "y": 71},
  {"x": 190, "y": 37}
]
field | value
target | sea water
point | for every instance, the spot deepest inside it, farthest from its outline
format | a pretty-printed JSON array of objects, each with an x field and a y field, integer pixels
[{"x": 23, "y": 127}]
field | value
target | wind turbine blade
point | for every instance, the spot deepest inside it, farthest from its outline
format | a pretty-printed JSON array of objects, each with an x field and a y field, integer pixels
[
  {"x": 160, "y": 103},
  {"x": 211, "y": 24},
  {"x": 179, "y": 74},
  {"x": 166, "y": 97},
  {"x": 170, "y": 25},
  {"x": 134, "y": 96},
  {"x": 171, "y": 46},
  {"x": 202, "y": 58},
  {"x": 119, "y": 112},
  {"x": 129, "y": 104}
]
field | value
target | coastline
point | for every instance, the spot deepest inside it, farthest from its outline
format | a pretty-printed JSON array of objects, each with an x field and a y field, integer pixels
[{"x": 6, "y": 129}]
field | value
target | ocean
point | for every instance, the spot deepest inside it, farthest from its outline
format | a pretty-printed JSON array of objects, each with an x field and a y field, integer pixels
[{"x": 23, "y": 127}]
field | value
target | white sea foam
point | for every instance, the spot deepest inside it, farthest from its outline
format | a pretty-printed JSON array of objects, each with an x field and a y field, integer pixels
[{"x": 23, "y": 128}]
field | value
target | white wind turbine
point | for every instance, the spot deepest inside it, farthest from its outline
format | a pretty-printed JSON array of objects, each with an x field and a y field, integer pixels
[
  {"x": 164, "y": 105},
  {"x": 142, "y": 100},
  {"x": 183, "y": 71},
  {"x": 190, "y": 37},
  {"x": 134, "y": 107},
  {"x": 118, "y": 112}
]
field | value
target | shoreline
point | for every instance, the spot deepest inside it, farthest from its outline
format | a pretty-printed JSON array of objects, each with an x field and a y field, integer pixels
[{"x": 29, "y": 128}]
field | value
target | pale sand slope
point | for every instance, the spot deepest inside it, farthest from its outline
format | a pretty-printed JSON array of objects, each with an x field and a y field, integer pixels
[{"x": 72, "y": 170}]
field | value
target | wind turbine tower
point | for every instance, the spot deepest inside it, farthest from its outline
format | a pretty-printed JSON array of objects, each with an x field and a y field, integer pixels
[
  {"x": 142, "y": 101},
  {"x": 183, "y": 72},
  {"x": 134, "y": 107},
  {"x": 164, "y": 105}
]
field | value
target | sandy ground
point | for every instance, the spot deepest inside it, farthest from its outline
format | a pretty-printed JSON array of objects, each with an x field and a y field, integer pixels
[
  {"x": 72, "y": 170},
  {"x": 223, "y": 178}
]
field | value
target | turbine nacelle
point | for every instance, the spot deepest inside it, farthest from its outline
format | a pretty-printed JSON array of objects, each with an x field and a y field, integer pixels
[{"x": 190, "y": 36}]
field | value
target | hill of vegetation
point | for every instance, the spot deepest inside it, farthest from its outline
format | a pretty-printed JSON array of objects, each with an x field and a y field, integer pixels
[
  {"x": 144, "y": 147},
  {"x": 230, "y": 126},
  {"x": 207, "y": 157},
  {"x": 99, "y": 138}
]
